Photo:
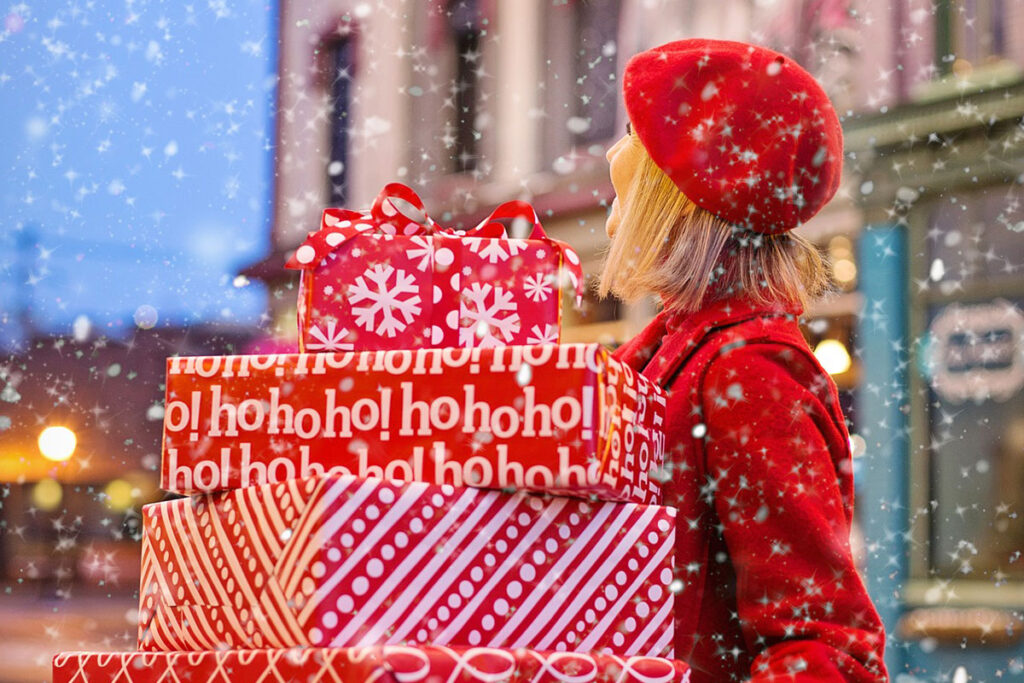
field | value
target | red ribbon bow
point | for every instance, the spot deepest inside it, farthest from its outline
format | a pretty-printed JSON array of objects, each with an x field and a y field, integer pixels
[{"x": 407, "y": 216}]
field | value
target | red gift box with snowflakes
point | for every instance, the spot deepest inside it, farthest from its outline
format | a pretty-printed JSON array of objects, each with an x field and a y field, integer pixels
[
  {"x": 566, "y": 419},
  {"x": 348, "y": 562},
  {"x": 391, "y": 278},
  {"x": 384, "y": 664}
]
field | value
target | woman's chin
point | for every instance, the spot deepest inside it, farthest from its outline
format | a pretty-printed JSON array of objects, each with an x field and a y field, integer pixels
[{"x": 611, "y": 224}]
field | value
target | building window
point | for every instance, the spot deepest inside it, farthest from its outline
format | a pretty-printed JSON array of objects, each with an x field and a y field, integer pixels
[
  {"x": 843, "y": 262},
  {"x": 833, "y": 338},
  {"x": 969, "y": 33},
  {"x": 462, "y": 137},
  {"x": 968, "y": 288},
  {"x": 976, "y": 439},
  {"x": 974, "y": 239},
  {"x": 338, "y": 78},
  {"x": 596, "y": 97},
  {"x": 581, "y": 87}
]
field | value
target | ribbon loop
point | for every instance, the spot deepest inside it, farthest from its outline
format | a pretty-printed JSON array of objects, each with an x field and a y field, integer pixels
[
  {"x": 511, "y": 215},
  {"x": 398, "y": 210},
  {"x": 514, "y": 213},
  {"x": 334, "y": 218}
]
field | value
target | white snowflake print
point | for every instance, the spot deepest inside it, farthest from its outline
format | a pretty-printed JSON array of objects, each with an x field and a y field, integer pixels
[
  {"x": 493, "y": 249},
  {"x": 548, "y": 335},
  {"x": 423, "y": 250},
  {"x": 537, "y": 289},
  {"x": 329, "y": 340},
  {"x": 374, "y": 286},
  {"x": 487, "y": 312}
]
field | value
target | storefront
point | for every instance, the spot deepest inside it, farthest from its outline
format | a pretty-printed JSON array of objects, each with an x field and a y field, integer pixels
[{"x": 940, "y": 404}]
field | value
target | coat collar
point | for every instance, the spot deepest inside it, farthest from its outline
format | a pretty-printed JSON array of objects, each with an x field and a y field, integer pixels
[
  {"x": 673, "y": 335},
  {"x": 722, "y": 312}
]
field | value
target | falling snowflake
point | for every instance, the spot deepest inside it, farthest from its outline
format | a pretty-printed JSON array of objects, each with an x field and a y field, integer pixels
[
  {"x": 10, "y": 394},
  {"x": 493, "y": 249},
  {"x": 331, "y": 340},
  {"x": 482, "y": 322},
  {"x": 384, "y": 298},
  {"x": 423, "y": 250},
  {"x": 537, "y": 289},
  {"x": 548, "y": 335}
]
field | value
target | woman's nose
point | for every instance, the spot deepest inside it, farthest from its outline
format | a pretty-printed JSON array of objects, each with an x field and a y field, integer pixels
[{"x": 611, "y": 150}]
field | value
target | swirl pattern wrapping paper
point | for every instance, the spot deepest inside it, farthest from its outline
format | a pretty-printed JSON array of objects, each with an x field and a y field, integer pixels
[{"x": 387, "y": 664}]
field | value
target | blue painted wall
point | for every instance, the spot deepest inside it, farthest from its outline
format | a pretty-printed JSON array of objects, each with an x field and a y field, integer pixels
[{"x": 882, "y": 421}]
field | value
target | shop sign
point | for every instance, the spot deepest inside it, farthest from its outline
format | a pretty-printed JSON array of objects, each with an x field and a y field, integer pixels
[{"x": 977, "y": 352}]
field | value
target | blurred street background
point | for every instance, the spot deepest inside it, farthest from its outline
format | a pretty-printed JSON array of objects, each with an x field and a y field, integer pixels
[{"x": 162, "y": 160}]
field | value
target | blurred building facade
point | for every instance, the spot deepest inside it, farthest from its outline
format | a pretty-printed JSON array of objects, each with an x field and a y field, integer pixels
[
  {"x": 71, "y": 526},
  {"x": 70, "y": 529},
  {"x": 473, "y": 102}
]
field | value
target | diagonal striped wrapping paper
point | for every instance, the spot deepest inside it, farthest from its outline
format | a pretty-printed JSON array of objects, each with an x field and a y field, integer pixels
[
  {"x": 387, "y": 664},
  {"x": 339, "y": 561}
]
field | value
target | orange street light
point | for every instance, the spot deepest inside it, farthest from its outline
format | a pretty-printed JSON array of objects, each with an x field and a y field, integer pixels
[{"x": 57, "y": 443}]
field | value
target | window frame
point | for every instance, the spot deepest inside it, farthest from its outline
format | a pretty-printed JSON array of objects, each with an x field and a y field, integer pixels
[
  {"x": 466, "y": 95},
  {"x": 951, "y": 30},
  {"x": 922, "y": 579},
  {"x": 553, "y": 141},
  {"x": 331, "y": 47}
]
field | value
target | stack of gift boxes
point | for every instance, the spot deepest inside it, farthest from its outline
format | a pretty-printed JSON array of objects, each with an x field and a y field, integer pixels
[{"x": 434, "y": 489}]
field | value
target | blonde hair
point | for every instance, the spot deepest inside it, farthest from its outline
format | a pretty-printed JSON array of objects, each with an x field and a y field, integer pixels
[{"x": 665, "y": 244}]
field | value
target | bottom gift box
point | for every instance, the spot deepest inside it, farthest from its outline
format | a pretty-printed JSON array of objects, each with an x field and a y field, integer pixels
[{"x": 383, "y": 664}]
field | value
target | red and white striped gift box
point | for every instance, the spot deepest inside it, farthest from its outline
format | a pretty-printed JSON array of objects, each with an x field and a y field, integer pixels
[
  {"x": 342, "y": 562},
  {"x": 388, "y": 664}
]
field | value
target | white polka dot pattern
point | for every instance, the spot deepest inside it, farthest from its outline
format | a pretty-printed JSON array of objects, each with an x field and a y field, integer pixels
[{"x": 527, "y": 271}]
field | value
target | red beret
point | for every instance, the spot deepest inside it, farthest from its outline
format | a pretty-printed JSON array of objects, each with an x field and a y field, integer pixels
[{"x": 743, "y": 132}]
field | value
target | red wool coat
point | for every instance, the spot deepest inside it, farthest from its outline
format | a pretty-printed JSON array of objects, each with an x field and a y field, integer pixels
[{"x": 760, "y": 471}]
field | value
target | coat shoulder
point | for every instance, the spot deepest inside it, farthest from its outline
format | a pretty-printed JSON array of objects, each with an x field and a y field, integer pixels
[
  {"x": 770, "y": 377},
  {"x": 773, "y": 359}
]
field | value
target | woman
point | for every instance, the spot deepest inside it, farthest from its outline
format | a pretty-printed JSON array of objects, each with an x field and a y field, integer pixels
[{"x": 730, "y": 147}]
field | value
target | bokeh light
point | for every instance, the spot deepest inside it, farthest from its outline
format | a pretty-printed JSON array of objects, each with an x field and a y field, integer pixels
[
  {"x": 47, "y": 494},
  {"x": 120, "y": 494},
  {"x": 833, "y": 356},
  {"x": 57, "y": 443}
]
